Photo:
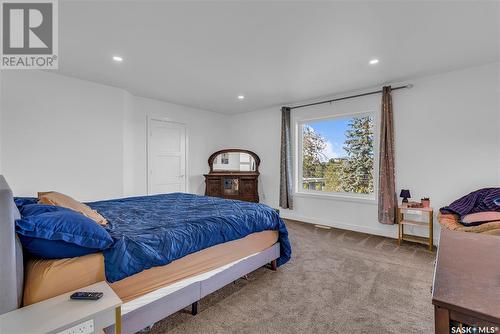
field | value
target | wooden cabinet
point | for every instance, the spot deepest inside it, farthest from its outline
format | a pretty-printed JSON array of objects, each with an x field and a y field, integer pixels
[
  {"x": 231, "y": 186},
  {"x": 233, "y": 175},
  {"x": 465, "y": 293}
]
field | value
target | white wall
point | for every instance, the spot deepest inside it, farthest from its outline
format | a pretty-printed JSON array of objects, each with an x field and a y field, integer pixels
[
  {"x": 61, "y": 133},
  {"x": 130, "y": 177},
  {"x": 1, "y": 120},
  {"x": 447, "y": 135},
  {"x": 498, "y": 115},
  {"x": 89, "y": 140},
  {"x": 205, "y": 135}
]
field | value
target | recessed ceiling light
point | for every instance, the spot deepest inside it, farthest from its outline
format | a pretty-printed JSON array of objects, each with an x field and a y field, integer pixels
[
  {"x": 241, "y": 97},
  {"x": 373, "y": 61},
  {"x": 117, "y": 59}
]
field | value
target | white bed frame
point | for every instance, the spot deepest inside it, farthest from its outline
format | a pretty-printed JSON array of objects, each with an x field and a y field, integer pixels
[{"x": 141, "y": 312}]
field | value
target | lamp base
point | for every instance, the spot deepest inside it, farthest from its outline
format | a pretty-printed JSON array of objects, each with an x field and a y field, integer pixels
[{"x": 405, "y": 200}]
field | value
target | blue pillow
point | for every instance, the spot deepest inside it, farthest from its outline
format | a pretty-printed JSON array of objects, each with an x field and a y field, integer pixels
[
  {"x": 53, "y": 249},
  {"x": 21, "y": 201},
  {"x": 37, "y": 209},
  {"x": 65, "y": 226}
]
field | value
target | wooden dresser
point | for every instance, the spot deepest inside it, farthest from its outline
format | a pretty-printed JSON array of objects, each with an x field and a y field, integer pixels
[
  {"x": 466, "y": 290},
  {"x": 234, "y": 174}
]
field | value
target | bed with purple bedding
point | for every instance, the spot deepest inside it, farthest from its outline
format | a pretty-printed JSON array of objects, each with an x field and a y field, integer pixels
[{"x": 486, "y": 200}]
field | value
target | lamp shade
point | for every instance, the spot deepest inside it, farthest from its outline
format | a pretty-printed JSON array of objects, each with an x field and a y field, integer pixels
[{"x": 405, "y": 193}]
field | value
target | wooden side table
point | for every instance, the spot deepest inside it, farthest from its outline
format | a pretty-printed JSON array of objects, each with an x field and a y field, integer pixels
[{"x": 402, "y": 221}]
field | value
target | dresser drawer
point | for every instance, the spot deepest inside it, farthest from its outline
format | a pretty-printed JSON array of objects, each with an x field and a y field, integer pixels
[
  {"x": 248, "y": 187},
  {"x": 213, "y": 187}
]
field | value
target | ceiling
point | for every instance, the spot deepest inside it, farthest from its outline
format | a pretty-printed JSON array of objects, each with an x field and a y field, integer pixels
[{"x": 204, "y": 54}]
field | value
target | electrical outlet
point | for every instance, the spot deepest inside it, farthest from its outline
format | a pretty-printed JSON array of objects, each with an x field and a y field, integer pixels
[{"x": 86, "y": 327}]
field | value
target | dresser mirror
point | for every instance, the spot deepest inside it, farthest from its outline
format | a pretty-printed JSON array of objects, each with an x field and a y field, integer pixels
[
  {"x": 234, "y": 162},
  {"x": 233, "y": 175}
]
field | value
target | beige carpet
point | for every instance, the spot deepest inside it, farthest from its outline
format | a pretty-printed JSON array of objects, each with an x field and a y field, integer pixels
[{"x": 337, "y": 282}]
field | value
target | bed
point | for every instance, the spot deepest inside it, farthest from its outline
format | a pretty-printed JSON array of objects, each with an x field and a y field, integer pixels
[
  {"x": 476, "y": 212},
  {"x": 195, "y": 246},
  {"x": 452, "y": 222}
]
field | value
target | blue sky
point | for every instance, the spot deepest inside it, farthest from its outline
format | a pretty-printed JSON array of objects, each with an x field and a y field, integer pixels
[{"x": 334, "y": 132}]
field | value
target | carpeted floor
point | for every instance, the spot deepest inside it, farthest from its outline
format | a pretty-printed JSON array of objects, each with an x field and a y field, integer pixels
[{"x": 337, "y": 282}]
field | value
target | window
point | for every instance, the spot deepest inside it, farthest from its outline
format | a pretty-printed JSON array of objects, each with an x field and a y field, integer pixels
[{"x": 337, "y": 155}]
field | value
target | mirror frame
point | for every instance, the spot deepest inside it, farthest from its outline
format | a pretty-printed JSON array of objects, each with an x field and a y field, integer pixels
[{"x": 233, "y": 150}]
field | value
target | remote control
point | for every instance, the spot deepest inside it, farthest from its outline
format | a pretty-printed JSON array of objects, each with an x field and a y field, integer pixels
[{"x": 82, "y": 295}]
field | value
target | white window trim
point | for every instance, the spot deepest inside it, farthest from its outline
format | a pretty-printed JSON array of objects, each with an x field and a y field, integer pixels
[{"x": 343, "y": 196}]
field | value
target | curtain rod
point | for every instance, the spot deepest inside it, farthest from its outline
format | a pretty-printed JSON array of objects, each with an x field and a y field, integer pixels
[{"x": 350, "y": 97}]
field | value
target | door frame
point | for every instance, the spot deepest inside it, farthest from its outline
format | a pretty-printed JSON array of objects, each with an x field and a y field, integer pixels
[{"x": 150, "y": 119}]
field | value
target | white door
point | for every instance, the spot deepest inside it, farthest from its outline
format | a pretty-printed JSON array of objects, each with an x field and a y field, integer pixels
[{"x": 166, "y": 157}]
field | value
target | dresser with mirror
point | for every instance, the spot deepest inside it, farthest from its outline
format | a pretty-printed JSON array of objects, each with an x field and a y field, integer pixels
[{"x": 233, "y": 175}]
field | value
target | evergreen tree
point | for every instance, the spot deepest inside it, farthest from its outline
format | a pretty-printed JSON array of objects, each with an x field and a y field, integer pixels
[{"x": 357, "y": 168}]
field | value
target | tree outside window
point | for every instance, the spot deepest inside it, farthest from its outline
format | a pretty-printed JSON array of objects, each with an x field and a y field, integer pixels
[{"x": 337, "y": 155}]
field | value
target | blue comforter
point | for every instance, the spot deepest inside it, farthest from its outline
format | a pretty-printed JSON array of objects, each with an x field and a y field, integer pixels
[{"x": 151, "y": 231}]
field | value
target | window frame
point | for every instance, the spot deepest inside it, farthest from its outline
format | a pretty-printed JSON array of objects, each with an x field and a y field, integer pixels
[{"x": 346, "y": 196}]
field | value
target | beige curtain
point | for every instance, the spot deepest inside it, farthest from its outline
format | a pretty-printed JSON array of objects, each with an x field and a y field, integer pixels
[
  {"x": 387, "y": 200},
  {"x": 286, "y": 199}
]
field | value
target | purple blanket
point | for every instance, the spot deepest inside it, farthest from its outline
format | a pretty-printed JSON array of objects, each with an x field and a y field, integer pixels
[{"x": 481, "y": 200}]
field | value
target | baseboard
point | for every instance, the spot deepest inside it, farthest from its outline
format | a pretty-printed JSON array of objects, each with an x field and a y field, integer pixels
[{"x": 389, "y": 233}]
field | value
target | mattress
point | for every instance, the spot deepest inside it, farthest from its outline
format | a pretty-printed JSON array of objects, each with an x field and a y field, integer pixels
[{"x": 48, "y": 278}]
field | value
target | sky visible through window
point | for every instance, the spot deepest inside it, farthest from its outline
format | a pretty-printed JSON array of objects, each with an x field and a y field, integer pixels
[
  {"x": 333, "y": 130},
  {"x": 337, "y": 154}
]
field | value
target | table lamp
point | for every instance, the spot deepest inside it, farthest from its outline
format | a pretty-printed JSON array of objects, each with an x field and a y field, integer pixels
[{"x": 405, "y": 194}]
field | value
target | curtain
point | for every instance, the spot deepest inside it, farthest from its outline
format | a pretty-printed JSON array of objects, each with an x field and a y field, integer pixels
[
  {"x": 286, "y": 200},
  {"x": 387, "y": 200}
]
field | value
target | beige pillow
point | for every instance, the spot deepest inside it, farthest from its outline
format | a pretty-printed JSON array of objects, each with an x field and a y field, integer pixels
[
  {"x": 481, "y": 217},
  {"x": 55, "y": 198}
]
